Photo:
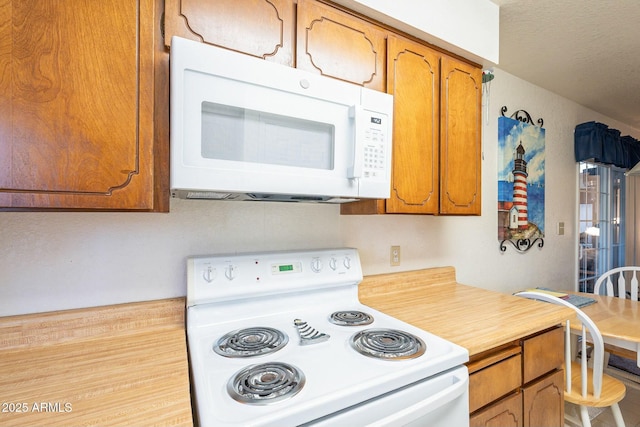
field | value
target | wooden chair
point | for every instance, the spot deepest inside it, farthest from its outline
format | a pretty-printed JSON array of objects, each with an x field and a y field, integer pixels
[
  {"x": 605, "y": 283},
  {"x": 621, "y": 282},
  {"x": 586, "y": 385}
]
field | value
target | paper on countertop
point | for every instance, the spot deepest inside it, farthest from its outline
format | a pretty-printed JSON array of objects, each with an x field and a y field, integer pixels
[
  {"x": 549, "y": 292},
  {"x": 577, "y": 300}
]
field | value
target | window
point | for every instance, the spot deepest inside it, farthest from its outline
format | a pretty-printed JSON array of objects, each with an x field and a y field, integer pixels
[{"x": 601, "y": 222}]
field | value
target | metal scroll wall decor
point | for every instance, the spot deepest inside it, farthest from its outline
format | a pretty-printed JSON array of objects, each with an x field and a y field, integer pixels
[{"x": 521, "y": 181}]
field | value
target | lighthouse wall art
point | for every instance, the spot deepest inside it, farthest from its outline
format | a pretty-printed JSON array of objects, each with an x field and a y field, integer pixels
[{"x": 521, "y": 179}]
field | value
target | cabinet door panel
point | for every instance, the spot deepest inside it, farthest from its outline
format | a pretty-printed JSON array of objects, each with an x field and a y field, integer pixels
[
  {"x": 413, "y": 75},
  {"x": 77, "y": 100},
  {"x": 505, "y": 413},
  {"x": 262, "y": 28},
  {"x": 461, "y": 145},
  {"x": 339, "y": 45},
  {"x": 543, "y": 401}
]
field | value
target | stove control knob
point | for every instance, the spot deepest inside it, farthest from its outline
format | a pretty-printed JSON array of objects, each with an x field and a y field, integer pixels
[
  {"x": 333, "y": 263},
  {"x": 209, "y": 274},
  {"x": 230, "y": 272},
  {"x": 347, "y": 262},
  {"x": 316, "y": 265}
]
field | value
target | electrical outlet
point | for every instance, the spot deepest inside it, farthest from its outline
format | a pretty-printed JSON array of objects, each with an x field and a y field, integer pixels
[{"x": 395, "y": 256}]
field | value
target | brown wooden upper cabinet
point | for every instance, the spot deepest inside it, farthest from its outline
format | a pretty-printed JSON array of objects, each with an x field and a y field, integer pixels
[
  {"x": 339, "y": 45},
  {"x": 414, "y": 81},
  {"x": 436, "y": 134},
  {"x": 261, "y": 28},
  {"x": 77, "y": 105},
  {"x": 460, "y": 138}
]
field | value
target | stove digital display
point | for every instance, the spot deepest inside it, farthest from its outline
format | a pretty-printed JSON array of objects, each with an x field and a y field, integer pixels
[{"x": 294, "y": 267}]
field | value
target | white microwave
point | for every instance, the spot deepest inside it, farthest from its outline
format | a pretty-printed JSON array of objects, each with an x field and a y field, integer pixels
[{"x": 243, "y": 128}]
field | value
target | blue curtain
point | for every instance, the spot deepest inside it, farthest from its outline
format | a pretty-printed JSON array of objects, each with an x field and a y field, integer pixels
[{"x": 597, "y": 142}]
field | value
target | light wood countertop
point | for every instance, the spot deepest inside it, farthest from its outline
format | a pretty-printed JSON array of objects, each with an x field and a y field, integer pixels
[
  {"x": 475, "y": 318},
  {"x": 117, "y": 365},
  {"x": 127, "y": 364}
]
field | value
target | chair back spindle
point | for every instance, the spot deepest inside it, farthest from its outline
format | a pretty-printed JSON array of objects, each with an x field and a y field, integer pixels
[
  {"x": 606, "y": 281},
  {"x": 567, "y": 356}
]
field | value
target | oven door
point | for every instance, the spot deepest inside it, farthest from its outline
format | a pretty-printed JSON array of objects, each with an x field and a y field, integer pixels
[{"x": 438, "y": 401}]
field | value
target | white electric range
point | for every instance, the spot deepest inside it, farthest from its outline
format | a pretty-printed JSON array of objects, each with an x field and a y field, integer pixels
[{"x": 281, "y": 339}]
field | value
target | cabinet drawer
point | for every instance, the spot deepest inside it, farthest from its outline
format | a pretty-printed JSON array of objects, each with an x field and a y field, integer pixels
[
  {"x": 494, "y": 381},
  {"x": 543, "y": 353},
  {"x": 505, "y": 413}
]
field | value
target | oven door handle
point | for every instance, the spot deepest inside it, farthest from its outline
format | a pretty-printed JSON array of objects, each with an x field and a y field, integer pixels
[{"x": 457, "y": 389}]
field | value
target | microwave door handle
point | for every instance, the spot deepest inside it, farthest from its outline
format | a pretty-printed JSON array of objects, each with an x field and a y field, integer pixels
[{"x": 356, "y": 113}]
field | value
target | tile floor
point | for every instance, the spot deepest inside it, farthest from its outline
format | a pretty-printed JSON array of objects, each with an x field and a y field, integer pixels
[{"x": 630, "y": 407}]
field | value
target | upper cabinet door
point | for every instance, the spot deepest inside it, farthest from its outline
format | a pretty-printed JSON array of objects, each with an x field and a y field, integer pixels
[
  {"x": 339, "y": 45},
  {"x": 461, "y": 140},
  {"x": 413, "y": 79},
  {"x": 77, "y": 104},
  {"x": 261, "y": 28}
]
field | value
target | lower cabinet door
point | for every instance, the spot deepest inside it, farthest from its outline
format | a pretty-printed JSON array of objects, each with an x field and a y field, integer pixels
[
  {"x": 505, "y": 413},
  {"x": 543, "y": 401}
]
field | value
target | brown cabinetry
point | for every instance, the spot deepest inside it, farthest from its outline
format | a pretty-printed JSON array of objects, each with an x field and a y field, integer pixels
[
  {"x": 413, "y": 79},
  {"x": 542, "y": 354},
  {"x": 543, "y": 401},
  {"x": 339, "y": 45},
  {"x": 521, "y": 384},
  {"x": 494, "y": 376},
  {"x": 77, "y": 105},
  {"x": 506, "y": 413},
  {"x": 460, "y": 138},
  {"x": 261, "y": 28},
  {"x": 436, "y": 134}
]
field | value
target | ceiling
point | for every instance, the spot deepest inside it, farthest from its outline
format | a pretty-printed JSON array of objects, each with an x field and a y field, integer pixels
[{"x": 585, "y": 50}]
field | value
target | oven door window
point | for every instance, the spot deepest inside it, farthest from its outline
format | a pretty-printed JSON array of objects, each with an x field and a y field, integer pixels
[{"x": 243, "y": 135}]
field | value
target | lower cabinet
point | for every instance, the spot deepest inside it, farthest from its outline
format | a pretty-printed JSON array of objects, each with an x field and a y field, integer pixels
[
  {"x": 543, "y": 401},
  {"x": 506, "y": 413},
  {"x": 519, "y": 384}
]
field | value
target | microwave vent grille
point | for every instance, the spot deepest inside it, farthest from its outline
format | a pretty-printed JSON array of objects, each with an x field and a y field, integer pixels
[{"x": 208, "y": 195}]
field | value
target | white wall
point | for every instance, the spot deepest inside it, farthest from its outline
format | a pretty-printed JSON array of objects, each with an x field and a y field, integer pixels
[
  {"x": 469, "y": 28},
  {"x": 470, "y": 243},
  {"x": 53, "y": 261}
]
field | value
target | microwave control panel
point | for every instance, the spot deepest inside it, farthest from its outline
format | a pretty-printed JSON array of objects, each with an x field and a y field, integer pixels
[{"x": 372, "y": 157}]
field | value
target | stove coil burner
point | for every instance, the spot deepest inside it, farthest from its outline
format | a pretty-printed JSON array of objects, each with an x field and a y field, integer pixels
[
  {"x": 388, "y": 344},
  {"x": 251, "y": 342},
  {"x": 351, "y": 318},
  {"x": 266, "y": 383}
]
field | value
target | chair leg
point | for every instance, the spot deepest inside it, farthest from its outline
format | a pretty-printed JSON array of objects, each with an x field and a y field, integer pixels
[
  {"x": 617, "y": 415},
  {"x": 584, "y": 415}
]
